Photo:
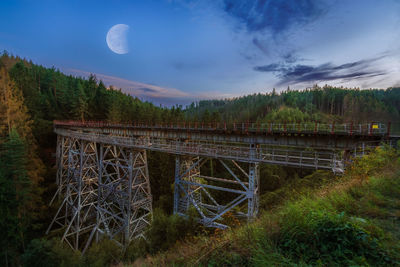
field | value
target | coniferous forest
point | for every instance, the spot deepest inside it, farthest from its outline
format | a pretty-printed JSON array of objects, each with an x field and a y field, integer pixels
[{"x": 365, "y": 217}]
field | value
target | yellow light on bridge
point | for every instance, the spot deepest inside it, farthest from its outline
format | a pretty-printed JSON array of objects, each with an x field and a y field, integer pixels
[{"x": 375, "y": 126}]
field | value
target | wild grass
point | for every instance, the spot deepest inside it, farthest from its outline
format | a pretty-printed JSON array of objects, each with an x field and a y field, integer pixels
[{"x": 320, "y": 220}]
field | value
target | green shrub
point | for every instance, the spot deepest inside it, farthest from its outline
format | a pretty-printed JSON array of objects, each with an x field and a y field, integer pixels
[
  {"x": 166, "y": 230},
  {"x": 47, "y": 253},
  {"x": 103, "y": 253},
  {"x": 39, "y": 253},
  {"x": 373, "y": 162},
  {"x": 228, "y": 258},
  {"x": 136, "y": 249},
  {"x": 331, "y": 239}
]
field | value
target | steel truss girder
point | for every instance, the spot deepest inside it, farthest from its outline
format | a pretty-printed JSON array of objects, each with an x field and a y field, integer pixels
[
  {"x": 105, "y": 191},
  {"x": 334, "y": 136},
  {"x": 195, "y": 190},
  {"x": 295, "y": 156}
]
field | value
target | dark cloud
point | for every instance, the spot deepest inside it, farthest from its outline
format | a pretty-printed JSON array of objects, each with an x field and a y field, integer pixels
[
  {"x": 260, "y": 45},
  {"x": 290, "y": 58},
  {"x": 275, "y": 15},
  {"x": 275, "y": 67},
  {"x": 293, "y": 74},
  {"x": 146, "y": 90}
]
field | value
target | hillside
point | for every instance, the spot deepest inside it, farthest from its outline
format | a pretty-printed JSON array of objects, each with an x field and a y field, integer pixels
[{"x": 346, "y": 221}]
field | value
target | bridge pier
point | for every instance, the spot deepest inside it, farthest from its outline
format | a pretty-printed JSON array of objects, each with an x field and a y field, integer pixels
[
  {"x": 78, "y": 208},
  {"x": 253, "y": 190},
  {"x": 212, "y": 197},
  {"x": 125, "y": 201},
  {"x": 105, "y": 191},
  {"x": 62, "y": 152},
  {"x": 187, "y": 169}
]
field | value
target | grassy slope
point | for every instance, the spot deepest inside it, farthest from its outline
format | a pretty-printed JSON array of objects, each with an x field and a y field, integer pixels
[{"x": 321, "y": 220}]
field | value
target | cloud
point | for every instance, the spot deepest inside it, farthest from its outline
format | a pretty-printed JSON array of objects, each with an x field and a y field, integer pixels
[
  {"x": 149, "y": 92},
  {"x": 133, "y": 88},
  {"x": 261, "y": 45},
  {"x": 274, "y": 15},
  {"x": 295, "y": 74},
  {"x": 290, "y": 57}
]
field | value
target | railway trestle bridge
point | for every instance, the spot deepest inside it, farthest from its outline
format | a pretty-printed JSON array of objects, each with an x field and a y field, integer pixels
[{"x": 103, "y": 178}]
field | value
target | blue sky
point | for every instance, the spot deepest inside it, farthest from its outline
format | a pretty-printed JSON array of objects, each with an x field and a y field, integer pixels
[{"x": 181, "y": 51}]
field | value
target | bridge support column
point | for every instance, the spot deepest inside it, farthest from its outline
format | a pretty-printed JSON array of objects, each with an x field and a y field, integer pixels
[
  {"x": 187, "y": 169},
  {"x": 62, "y": 152},
  {"x": 125, "y": 201},
  {"x": 78, "y": 208},
  {"x": 253, "y": 192},
  {"x": 213, "y": 197},
  {"x": 105, "y": 190}
]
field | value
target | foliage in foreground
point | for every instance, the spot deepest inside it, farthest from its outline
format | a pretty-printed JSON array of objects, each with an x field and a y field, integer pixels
[
  {"x": 165, "y": 231},
  {"x": 352, "y": 222}
]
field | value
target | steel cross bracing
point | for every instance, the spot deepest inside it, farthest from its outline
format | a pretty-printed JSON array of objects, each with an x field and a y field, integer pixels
[
  {"x": 103, "y": 179},
  {"x": 198, "y": 191},
  {"x": 105, "y": 191}
]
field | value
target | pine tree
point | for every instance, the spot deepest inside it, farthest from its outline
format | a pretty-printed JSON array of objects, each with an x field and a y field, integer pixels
[
  {"x": 14, "y": 117},
  {"x": 114, "y": 113},
  {"x": 80, "y": 105},
  {"x": 15, "y": 195}
]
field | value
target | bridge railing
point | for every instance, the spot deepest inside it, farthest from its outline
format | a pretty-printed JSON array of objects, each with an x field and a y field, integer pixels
[{"x": 371, "y": 128}]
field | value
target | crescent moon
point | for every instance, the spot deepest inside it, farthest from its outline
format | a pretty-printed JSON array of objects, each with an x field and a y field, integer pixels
[{"x": 117, "y": 39}]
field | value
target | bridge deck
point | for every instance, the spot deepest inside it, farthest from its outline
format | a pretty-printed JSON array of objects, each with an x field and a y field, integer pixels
[
  {"x": 263, "y": 154},
  {"x": 373, "y": 128},
  {"x": 307, "y": 145},
  {"x": 316, "y": 135}
]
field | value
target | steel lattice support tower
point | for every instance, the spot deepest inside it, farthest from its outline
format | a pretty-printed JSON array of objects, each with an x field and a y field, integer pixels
[
  {"x": 187, "y": 169},
  {"x": 125, "y": 201},
  {"x": 62, "y": 155},
  {"x": 105, "y": 191},
  {"x": 78, "y": 210},
  {"x": 200, "y": 192}
]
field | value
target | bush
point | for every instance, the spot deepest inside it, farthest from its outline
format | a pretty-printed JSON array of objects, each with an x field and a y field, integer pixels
[
  {"x": 136, "y": 249},
  {"x": 104, "y": 253},
  {"x": 47, "y": 253},
  {"x": 228, "y": 258},
  {"x": 166, "y": 230},
  {"x": 373, "y": 162},
  {"x": 39, "y": 253},
  {"x": 331, "y": 239}
]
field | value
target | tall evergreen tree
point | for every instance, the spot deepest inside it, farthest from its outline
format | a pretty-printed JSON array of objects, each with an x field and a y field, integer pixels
[
  {"x": 14, "y": 117},
  {"x": 80, "y": 106},
  {"x": 15, "y": 195}
]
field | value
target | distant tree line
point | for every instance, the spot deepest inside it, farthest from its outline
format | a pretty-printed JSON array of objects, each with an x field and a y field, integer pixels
[{"x": 323, "y": 104}]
